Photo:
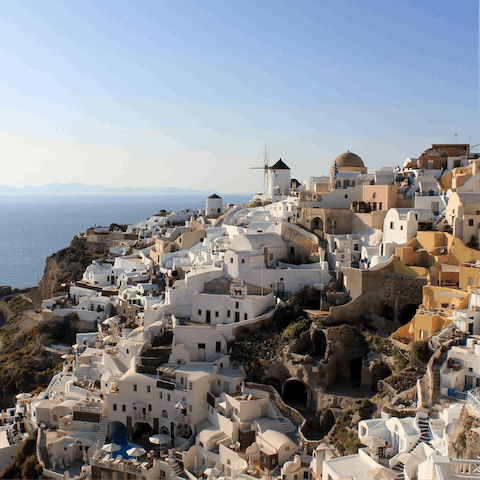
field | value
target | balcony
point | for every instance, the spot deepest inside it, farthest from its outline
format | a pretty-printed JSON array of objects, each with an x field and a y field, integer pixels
[{"x": 141, "y": 417}]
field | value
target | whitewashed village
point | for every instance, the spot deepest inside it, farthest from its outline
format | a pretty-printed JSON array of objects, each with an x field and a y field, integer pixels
[{"x": 162, "y": 382}]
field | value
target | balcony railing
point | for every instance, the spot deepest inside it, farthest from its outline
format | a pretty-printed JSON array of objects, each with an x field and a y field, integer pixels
[{"x": 141, "y": 417}]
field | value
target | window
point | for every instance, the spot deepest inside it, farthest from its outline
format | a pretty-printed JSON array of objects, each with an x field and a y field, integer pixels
[
  {"x": 149, "y": 408},
  {"x": 423, "y": 334},
  {"x": 245, "y": 316},
  {"x": 401, "y": 227},
  {"x": 216, "y": 314},
  {"x": 134, "y": 387},
  {"x": 165, "y": 414},
  {"x": 160, "y": 395},
  {"x": 56, "y": 418},
  {"x": 124, "y": 408},
  {"x": 470, "y": 223},
  {"x": 470, "y": 369},
  {"x": 114, "y": 409},
  {"x": 374, "y": 194},
  {"x": 346, "y": 196},
  {"x": 305, "y": 475},
  {"x": 168, "y": 397},
  {"x": 162, "y": 474},
  {"x": 128, "y": 351},
  {"x": 199, "y": 312},
  {"x": 287, "y": 448},
  {"x": 190, "y": 385},
  {"x": 219, "y": 383},
  {"x": 379, "y": 205},
  {"x": 231, "y": 260},
  {"x": 218, "y": 346},
  {"x": 243, "y": 260},
  {"x": 270, "y": 256},
  {"x": 471, "y": 281},
  {"x": 236, "y": 304},
  {"x": 228, "y": 313},
  {"x": 190, "y": 408},
  {"x": 228, "y": 461},
  {"x": 392, "y": 225},
  {"x": 182, "y": 380},
  {"x": 148, "y": 388}
]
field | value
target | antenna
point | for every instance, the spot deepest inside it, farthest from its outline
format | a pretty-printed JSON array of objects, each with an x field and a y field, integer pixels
[{"x": 265, "y": 168}]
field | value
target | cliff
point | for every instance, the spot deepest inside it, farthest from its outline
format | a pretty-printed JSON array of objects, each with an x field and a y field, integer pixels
[{"x": 66, "y": 265}]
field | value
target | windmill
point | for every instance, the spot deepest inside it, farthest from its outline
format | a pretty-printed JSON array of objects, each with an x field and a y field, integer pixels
[{"x": 265, "y": 167}]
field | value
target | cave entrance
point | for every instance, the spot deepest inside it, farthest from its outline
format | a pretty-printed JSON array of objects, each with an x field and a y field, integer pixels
[
  {"x": 356, "y": 369},
  {"x": 407, "y": 313},
  {"x": 328, "y": 421},
  {"x": 320, "y": 344},
  {"x": 387, "y": 312},
  {"x": 295, "y": 393},
  {"x": 379, "y": 373}
]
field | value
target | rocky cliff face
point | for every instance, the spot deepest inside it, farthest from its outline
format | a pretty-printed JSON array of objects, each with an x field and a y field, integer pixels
[{"x": 66, "y": 265}]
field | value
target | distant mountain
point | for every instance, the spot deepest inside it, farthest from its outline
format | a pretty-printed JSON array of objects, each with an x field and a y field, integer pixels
[{"x": 83, "y": 189}]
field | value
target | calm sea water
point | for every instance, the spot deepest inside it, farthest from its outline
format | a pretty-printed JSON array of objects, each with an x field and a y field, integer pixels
[{"x": 33, "y": 227}]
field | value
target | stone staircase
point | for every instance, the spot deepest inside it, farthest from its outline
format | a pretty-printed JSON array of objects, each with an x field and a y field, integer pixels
[
  {"x": 103, "y": 429},
  {"x": 121, "y": 366},
  {"x": 436, "y": 373},
  {"x": 399, "y": 469},
  {"x": 177, "y": 465},
  {"x": 42, "y": 449},
  {"x": 283, "y": 424}
]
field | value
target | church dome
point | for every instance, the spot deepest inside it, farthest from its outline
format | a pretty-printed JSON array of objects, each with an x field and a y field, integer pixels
[{"x": 348, "y": 159}]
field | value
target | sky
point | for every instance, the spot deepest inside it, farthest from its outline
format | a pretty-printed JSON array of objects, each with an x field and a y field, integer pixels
[{"x": 186, "y": 94}]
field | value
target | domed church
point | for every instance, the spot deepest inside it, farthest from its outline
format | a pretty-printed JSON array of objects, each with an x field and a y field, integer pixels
[{"x": 347, "y": 162}]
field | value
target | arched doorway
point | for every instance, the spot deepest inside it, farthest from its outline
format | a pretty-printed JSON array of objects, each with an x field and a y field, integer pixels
[
  {"x": 320, "y": 343},
  {"x": 407, "y": 313},
  {"x": 379, "y": 372},
  {"x": 356, "y": 369},
  {"x": 317, "y": 224},
  {"x": 117, "y": 430},
  {"x": 328, "y": 421},
  {"x": 295, "y": 393},
  {"x": 141, "y": 432}
]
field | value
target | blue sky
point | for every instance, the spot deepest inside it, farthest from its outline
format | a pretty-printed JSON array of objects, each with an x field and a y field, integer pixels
[{"x": 185, "y": 94}]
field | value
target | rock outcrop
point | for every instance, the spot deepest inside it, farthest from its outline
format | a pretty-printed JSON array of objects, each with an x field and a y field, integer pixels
[{"x": 66, "y": 265}]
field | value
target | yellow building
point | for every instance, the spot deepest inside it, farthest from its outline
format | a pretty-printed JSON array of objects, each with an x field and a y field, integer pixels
[{"x": 452, "y": 271}]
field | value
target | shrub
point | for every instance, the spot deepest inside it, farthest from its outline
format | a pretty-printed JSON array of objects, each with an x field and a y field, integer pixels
[
  {"x": 420, "y": 351},
  {"x": 462, "y": 440}
]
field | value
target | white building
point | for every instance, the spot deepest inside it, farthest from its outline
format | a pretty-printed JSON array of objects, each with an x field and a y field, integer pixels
[
  {"x": 279, "y": 181},
  {"x": 402, "y": 224},
  {"x": 213, "y": 204}
]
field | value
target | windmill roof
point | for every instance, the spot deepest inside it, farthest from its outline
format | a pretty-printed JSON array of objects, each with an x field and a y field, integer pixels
[
  {"x": 214, "y": 196},
  {"x": 280, "y": 165}
]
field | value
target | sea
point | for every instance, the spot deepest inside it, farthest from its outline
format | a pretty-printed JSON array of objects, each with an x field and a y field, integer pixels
[{"x": 33, "y": 227}]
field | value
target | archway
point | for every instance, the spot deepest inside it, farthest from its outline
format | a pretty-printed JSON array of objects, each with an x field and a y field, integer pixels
[
  {"x": 317, "y": 224},
  {"x": 141, "y": 432},
  {"x": 379, "y": 372},
  {"x": 407, "y": 313},
  {"x": 356, "y": 369},
  {"x": 295, "y": 392},
  {"x": 328, "y": 421},
  {"x": 117, "y": 431},
  {"x": 387, "y": 312}
]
